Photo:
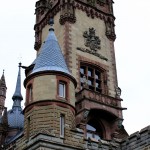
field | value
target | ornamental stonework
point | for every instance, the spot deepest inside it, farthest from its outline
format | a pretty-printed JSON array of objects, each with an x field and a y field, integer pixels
[{"x": 91, "y": 40}]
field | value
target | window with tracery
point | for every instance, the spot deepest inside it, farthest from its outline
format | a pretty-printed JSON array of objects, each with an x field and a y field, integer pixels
[{"x": 93, "y": 78}]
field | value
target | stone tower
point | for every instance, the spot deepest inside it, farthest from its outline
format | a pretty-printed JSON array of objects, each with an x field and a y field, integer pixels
[
  {"x": 86, "y": 34},
  {"x": 72, "y": 93},
  {"x": 3, "y": 89}
]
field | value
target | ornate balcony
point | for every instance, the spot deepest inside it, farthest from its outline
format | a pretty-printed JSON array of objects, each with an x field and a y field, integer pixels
[{"x": 90, "y": 95}]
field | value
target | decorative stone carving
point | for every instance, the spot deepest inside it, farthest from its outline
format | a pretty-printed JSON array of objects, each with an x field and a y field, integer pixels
[
  {"x": 85, "y": 114},
  {"x": 110, "y": 33},
  {"x": 67, "y": 12},
  {"x": 85, "y": 82},
  {"x": 91, "y": 2},
  {"x": 91, "y": 40},
  {"x": 118, "y": 92},
  {"x": 92, "y": 52},
  {"x": 101, "y": 2}
]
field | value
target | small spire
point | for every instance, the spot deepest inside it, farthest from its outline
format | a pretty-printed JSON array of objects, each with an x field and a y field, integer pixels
[
  {"x": 17, "y": 97},
  {"x": 3, "y": 83}
]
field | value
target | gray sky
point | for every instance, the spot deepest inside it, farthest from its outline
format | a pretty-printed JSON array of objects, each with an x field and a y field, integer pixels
[{"x": 132, "y": 48}]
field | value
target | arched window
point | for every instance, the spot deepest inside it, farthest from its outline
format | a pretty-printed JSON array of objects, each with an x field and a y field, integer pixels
[{"x": 93, "y": 77}]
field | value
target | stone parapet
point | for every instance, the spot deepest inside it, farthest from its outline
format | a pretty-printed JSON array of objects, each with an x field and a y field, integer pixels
[{"x": 139, "y": 140}]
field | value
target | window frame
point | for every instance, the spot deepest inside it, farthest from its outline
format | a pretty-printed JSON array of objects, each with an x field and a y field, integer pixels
[
  {"x": 95, "y": 76},
  {"x": 29, "y": 93},
  {"x": 62, "y": 125},
  {"x": 62, "y": 85}
]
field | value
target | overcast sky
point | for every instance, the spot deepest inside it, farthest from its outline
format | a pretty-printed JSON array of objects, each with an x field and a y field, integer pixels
[{"x": 132, "y": 48}]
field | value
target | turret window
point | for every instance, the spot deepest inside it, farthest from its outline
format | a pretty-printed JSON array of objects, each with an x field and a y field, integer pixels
[
  {"x": 93, "y": 78},
  {"x": 29, "y": 94},
  {"x": 62, "y": 89}
]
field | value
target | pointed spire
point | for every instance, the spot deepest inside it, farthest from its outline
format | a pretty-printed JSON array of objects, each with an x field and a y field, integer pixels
[
  {"x": 51, "y": 57},
  {"x": 17, "y": 97},
  {"x": 2, "y": 81}
]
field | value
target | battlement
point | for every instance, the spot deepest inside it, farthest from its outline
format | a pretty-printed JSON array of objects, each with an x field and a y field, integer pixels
[{"x": 138, "y": 140}]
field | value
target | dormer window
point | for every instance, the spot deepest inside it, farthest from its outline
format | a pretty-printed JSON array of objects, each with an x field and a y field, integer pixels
[{"x": 62, "y": 89}]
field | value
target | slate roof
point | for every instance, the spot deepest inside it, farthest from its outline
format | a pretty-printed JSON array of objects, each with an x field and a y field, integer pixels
[
  {"x": 50, "y": 57},
  {"x": 15, "y": 115}
]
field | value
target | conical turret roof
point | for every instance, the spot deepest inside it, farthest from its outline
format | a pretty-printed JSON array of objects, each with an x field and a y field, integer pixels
[{"x": 50, "y": 57}]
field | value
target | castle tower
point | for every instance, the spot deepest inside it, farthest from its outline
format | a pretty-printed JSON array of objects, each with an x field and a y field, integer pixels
[
  {"x": 3, "y": 89},
  {"x": 72, "y": 93},
  {"x": 86, "y": 34}
]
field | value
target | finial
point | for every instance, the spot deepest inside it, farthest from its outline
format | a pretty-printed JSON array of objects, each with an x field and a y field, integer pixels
[
  {"x": 3, "y": 71},
  {"x": 51, "y": 22},
  {"x": 20, "y": 64}
]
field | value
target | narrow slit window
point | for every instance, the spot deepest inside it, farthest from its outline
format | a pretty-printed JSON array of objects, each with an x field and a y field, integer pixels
[
  {"x": 28, "y": 127},
  {"x": 62, "y": 125},
  {"x": 30, "y": 93}
]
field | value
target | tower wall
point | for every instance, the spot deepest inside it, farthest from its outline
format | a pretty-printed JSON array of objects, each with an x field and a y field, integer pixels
[{"x": 70, "y": 37}]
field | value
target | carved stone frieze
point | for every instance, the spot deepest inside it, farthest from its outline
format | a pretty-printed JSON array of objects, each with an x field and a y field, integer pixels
[
  {"x": 94, "y": 2},
  {"x": 45, "y": 9},
  {"x": 67, "y": 12},
  {"x": 92, "y": 10}
]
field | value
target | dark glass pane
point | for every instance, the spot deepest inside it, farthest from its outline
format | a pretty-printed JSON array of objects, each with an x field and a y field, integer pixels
[
  {"x": 61, "y": 89},
  {"x": 97, "y": 84},
  {"x": 90, "y": 72},
  {"x": 97, "y": 75},
  {"x": 89, "y": 82},
  {"x": 82, "y": 70}
]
